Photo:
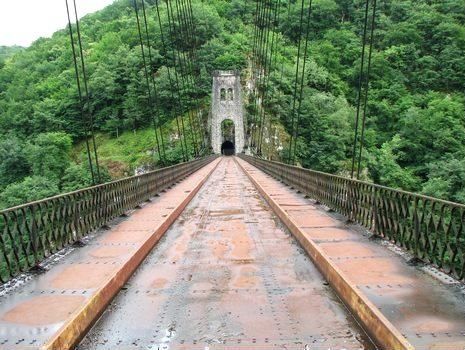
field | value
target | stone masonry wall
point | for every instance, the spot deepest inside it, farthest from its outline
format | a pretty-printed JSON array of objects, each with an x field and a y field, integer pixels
[{"x": 227, "y": 104}]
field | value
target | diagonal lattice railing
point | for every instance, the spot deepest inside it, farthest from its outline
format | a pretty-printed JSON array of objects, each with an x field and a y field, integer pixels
[
  {"x": 433, "y": 230},
  {"x": 32, "y": 232}
]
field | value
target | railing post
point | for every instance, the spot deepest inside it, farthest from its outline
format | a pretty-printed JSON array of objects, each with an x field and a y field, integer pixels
[
  {"x": 416, "y": 227},
  {"x": 34, "y": 234},
  {"x": 374, "y": 206},
  {"x": 351, "y": 201}
]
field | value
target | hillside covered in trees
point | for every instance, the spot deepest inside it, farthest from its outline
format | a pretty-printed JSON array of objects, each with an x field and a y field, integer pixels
[
  {"x": 8, "y": 51},
  {"x": 415, "y": 138}
]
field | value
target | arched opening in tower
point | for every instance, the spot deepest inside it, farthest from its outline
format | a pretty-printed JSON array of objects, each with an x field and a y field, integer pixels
[{"x": 228, "y": 137}]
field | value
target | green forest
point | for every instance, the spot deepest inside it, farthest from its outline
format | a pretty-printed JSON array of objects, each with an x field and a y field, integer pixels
[{"x": 415, "y": 131}]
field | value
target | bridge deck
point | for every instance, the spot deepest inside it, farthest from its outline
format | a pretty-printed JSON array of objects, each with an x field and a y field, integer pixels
[{"x": 227, "y": 275}]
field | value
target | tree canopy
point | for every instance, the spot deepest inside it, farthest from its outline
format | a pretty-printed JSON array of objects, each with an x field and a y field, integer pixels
[{"x": 415, "y": 137}]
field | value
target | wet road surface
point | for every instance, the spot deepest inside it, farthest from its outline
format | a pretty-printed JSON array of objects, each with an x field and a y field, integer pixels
[{"x": 227, "y": 275}]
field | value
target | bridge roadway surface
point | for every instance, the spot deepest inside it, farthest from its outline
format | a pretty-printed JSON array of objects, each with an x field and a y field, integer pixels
[{"x": 227, "y": 274}]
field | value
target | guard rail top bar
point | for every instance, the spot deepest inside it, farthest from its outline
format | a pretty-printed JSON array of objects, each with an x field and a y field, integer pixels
[
  {"x": 431, "y": 229},
  {"x": 32, "y": 232}
]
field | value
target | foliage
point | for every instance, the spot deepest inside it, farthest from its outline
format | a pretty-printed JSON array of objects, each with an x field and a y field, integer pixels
[
  {"x": 49, "y": 155},
  {"x": 415, "y": 137},
  {"x": 447, "y": 179},
  {"x": 385, "y": 169},
  {"x": 75, "y": 178},
  {"x": 6, "y": 52},
  {"x": 14, "y": 165},
  {"x": 40, "y": 118},
  {"x": 30, "y": 189}
]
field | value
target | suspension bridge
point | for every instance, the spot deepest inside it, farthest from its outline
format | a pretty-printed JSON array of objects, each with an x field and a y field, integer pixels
[{"x": 228, "y": 249}]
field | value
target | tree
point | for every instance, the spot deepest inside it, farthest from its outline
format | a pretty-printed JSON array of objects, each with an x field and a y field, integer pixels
[
  {"x": 30, "y": 189},
  {"x": 385, "y": 169},
  {"x": 431, "y": 132},
  {"x": 49, "y": 155},
  {"x": 446, "y": 179},
  {"x": 13, "y": 161},
  {"x": 76, "y": 177}
]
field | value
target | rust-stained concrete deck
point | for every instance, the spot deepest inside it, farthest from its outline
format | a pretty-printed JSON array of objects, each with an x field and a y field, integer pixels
[{"x": 227, "y": 275}]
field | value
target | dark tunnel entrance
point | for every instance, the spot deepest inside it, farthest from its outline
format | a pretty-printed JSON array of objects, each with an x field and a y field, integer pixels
[
  {"x": 228, "y": 149},
  {"x": 228, "y": 132}
]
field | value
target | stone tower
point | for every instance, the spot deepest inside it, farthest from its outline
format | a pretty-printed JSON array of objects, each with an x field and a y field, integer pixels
[{"x": 227, "y": 104}]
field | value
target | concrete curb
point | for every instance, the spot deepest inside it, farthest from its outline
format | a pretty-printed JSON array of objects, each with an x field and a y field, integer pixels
[
  {"x": 69, "y": 335},
  {"x": 373, "y": 321}
]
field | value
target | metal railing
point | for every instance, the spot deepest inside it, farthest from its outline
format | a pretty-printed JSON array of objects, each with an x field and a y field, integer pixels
[
  {"x": 32, "y": 232},
  {"x": 431, "y": 229}
]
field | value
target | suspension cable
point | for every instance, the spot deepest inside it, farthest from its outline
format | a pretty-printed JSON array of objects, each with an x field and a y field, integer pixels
[
  {"x": 254, "y": 69},
  {"x": 165, "y": 48},
  {"x": 275, "y": 32},
  {"x": 288, "y": 8},
  {"x": 259, "y": 31},
  {"x": 186, "y": 32},
  {"x": 259, "y": 68},
  {"x": 255, "y": 36},
  {"x": 195, "y": 68},
  {"x": 367, "y": 88},
  {"x": 288, "y": 18},
  {"x": 294, "y": 98},
  {"x": 261, "y": 65},
  {"x": 274, "y": 62},
  {"x": 172, "y": 31},
  {"x": 302, "y": 79},
  {"x": 268, "y": 69},
  {"x": 86, "y": 89},
  {"x": 154, "y": 85},
  {"x": 263, "y": 77},
  {"x": 359, "y": 93},
  {"x": 282, "y": 38},
  {"x": 81, "y": 103},
  {"x": 264, "y": 26},
  {"x": 194, "y": 58},
  {"x": 264, "y": 63},
  {"x": 149, "y": 93},
  {"x": 183, "y": 63}
]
